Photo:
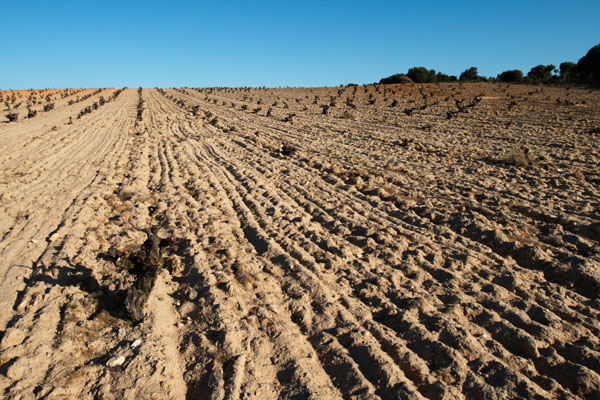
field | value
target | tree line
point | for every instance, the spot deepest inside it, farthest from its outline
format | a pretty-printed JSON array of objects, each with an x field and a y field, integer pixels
[{"x": 585, "y": 71}]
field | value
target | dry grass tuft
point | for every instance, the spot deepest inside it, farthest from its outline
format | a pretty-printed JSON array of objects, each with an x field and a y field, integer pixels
[{"x": 520, "y": 157}]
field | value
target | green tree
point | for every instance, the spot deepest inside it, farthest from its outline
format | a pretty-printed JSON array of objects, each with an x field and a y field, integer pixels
[
  {"x": 421, "y": 75},
  {"x": 513, "y": 75},
  {"x": 588, "y": 66},
  {"x": 567, "y": 69},
  {"x": 469, "y": 75},
  {"x": 541, "y": 73},
  {"x": 440, "y": 77}
]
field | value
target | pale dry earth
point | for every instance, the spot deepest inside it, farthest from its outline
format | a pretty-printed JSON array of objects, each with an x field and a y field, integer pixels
[{"x": 405, "y": 242}]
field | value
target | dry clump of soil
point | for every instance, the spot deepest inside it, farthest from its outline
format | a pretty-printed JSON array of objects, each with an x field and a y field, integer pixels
[{"x": 413, "y": 241}]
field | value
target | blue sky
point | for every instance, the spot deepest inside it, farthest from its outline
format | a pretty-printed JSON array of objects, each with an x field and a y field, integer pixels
[{"x": 281, "y": 43}]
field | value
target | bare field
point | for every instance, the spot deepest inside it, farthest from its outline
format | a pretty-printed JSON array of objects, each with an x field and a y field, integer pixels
[{"x": 379, "y": 242}]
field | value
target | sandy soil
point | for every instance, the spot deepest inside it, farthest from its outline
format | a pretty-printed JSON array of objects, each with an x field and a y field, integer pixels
[{"x": 418, "y": 241}]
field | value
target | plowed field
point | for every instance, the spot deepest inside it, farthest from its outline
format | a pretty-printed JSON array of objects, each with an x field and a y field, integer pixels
[{"x": 378, "y": 242}]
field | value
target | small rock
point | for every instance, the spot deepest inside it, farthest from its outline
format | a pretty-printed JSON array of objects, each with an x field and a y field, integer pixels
[
  {"x": 19, "y": 369},
  {"x": 435, "y": 258},
  {"x": 115, "y": 361},
  {"x": 540, "y": 315},
  {"x": 13, "y": 337},
  {"x": 136, "y": 343},
  {"x": 22, "y": 306},
  {"x": 529, "y": 348},
  {"x": 187, "y": 376},
  {"x": 192, "y": 294},
  {"x": 105, "y": 390}
]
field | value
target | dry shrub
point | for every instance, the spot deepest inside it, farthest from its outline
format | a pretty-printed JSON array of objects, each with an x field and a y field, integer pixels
[
  {"x": 349, "y": 114},
  {"x": 520, "y": 157},
  {"x": 287, "y": 150},
  {"x": 127, "y": 194},
  {"x": 244, "y": 276}
]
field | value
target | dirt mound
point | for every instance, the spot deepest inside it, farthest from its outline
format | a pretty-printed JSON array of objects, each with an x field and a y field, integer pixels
[{"x": 442, "y": 242}]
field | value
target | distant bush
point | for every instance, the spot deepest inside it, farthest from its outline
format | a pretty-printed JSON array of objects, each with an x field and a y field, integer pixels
[
  {"x": 513, "y": 76},
  {"x": 49, "y": 106},
  {"x": 471, "y": 75},
  {"x": 586, "y": 71},
  {"x": 445, "y": 78},
  {"x": 396, "y": 78},
  {"x": 12, "y": 117},
  {"x": 421, "y": 75},
  {"x": 418, "y": 75}
]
